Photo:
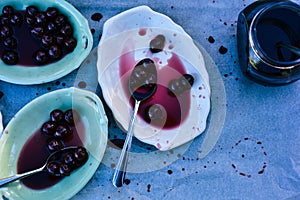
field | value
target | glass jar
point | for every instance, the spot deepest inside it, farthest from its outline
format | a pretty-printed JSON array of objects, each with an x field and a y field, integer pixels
[{"x": 265, "y": 30}]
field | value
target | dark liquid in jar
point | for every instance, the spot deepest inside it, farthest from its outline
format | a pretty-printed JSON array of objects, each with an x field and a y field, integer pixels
[{"x": 279, "y": 25}]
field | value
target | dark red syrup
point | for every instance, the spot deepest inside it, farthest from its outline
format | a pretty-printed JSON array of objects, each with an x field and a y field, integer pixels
[
  {"x": 177, "y": 107},
  {"x": 34, "y": 154}
]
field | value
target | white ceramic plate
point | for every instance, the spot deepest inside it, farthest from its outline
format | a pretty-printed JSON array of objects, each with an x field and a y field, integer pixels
[
  {"x": 30, "y": 118},
  {"x": 36, "y": 75},
  {"x": 130, "y": 33}
]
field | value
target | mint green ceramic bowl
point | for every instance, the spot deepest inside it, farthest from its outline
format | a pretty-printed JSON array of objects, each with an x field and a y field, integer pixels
[
  {"x": 30, "y": 118},
  {"x": 36, "y": 75}
]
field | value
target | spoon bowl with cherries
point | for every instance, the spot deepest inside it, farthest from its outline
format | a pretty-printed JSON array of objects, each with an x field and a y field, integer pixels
[{"x": 59, "y": 163}]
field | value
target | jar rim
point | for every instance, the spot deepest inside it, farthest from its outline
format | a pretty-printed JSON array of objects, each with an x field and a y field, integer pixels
[{"x": 254, "y": 43}]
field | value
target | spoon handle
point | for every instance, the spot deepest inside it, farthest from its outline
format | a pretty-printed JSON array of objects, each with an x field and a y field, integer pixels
[
  {"x": 291, "y": 48},
  {"x": 120, "y": 171},
  {"x": 10, "y": 179}
]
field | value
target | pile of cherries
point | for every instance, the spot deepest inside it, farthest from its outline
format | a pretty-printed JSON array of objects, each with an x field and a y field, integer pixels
[
  {"x": 66, "y": 163},
  {"x": 59, "y": 130},
  {"x": 51, "y": 30},
  {"x": 144, "y": 75}
]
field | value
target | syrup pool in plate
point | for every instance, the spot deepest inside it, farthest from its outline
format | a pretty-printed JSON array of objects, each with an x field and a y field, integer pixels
[
  {"x": 126, "y": 41},
  {"x": 24, "y": 128}
]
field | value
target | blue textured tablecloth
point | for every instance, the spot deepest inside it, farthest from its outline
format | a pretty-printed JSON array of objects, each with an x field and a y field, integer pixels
[{"x": 257, "y": 155}]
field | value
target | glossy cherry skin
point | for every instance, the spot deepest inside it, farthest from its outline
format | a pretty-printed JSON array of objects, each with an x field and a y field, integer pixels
[
  {"x": 64, "y": 169},
  {"x": 31, "y": 11},
  {"x": 155, "y": 113},
  {"x": 57, "y": 115},
  {"x": 70, "y": 117},
  {"x": 157, "y": 44},
  {"x": 80, "y": 155},
  {"x": 62, "y": 131},
  {"x": 5, "y": 31},
  {"x": 54, "y": 52},
  {"x": 55, "y": 144},
  {"x": 69, "y": 159},
  {"x": 53, "y": 168},
  {"x": 70, "y": 43},
  {"x": 178, "y": 86},
  {"x": 16, "y": 19},
  {"x": 10, "y": 42},
  {"x": 41, "y": 57},
  {"x": 8, "y": 10},
  {"x": 41, "y": 18},
  {"x": 52, "y": 12},
  {"x": 49, "y": 128},
  {"x": 10, "y": 57},
  {"x": 38, "y": 31},
  {"x": 47, "y": 40},
  {"x": 4, "y": 20}
]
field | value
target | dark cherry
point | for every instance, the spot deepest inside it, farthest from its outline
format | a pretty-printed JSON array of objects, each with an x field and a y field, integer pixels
[
  {"x": 30, "y": 20},
  {"x": 56, "y": 115},
  {"x": 4, "y": 20},
  {"x": 66, "y": 30},
  {"x": 143, "y": 74},
  {"x": 178, "y": 86},
  {"x": 38, "y": 31},
  {"x": 81, "y": 155},
  {"x": 41, "y": 18},
  {"x": 6, "y": 31},
  {"x": 175, "y": 87},
  {"x": 155, "y": 113},
  {"x": 31, "y": 11},
  {"x": 70, "y": 43},
  {"x": 51, "y": 27},
  {"x": 69, "y": 159},
  {"x": 10, "y": 57},
  {"x": 62, "y": 131},
  {"x": 139, "y": 74},
  {"x": 55, "y": 144},
  {"x": 147, "y": 64},
  {"x": 187, "y": 81},
  {"x": 8, "y": 10},
  {"x": 52, "y": 12},
  {"x": 69, "y": 117},
  {"x": 59, "y": 39},
  {"x": 64, "y": 169},
  {"x": 157, "y": 44},
  {"x": 10, "y": 42},
  {"x": 49, "y": 128},
  {"x": 54, "y": 52},
  {"x": 53, "y": 168},
  {"x": 41, "y": 57},
  {"x": 60, "y": 20},
  {"x": 16, "y": 19},
  {"x": 47, "y": 40}
]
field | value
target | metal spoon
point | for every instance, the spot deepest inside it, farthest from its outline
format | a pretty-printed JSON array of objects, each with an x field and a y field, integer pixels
[
  {"x": 289, "y": 47},
  {"x": 51, "y": 157},
  {"x": 141, "y": 86},
  {"x": 1, "y": 125}
]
